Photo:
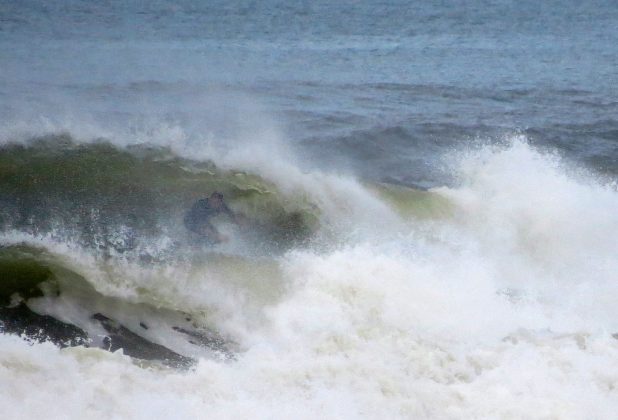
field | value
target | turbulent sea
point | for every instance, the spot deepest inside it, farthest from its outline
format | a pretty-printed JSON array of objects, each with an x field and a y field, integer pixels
[{"x": 429, "y": 197}]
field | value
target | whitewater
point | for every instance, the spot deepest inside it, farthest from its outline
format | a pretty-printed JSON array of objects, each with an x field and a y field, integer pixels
[{"x": 496, "y": 301}]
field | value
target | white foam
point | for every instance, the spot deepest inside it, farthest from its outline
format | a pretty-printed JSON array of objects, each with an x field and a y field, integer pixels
[{"x": 505, "y": 310}]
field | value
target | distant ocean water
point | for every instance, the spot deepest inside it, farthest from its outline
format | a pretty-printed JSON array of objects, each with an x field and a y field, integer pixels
[{"x": 430, "y": 196}]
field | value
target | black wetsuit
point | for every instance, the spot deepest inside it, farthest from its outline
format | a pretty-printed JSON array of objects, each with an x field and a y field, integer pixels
[{"x": 198, "y": 219}]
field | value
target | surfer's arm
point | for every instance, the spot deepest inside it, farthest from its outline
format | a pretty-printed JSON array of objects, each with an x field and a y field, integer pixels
[{"x": 237, "y": 218}]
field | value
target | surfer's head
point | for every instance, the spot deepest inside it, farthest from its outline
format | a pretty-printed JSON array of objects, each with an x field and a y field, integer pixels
[{"x": 216, "y": 199}]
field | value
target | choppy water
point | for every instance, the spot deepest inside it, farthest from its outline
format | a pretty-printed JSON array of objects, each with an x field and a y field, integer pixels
[{"x": 430, "y": 193}]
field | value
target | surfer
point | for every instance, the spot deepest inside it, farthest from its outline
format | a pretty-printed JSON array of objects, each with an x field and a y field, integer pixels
[{"x": 198, "y": 219}]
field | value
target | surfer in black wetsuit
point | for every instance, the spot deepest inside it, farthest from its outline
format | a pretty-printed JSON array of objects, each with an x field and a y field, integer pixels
[{"x": 198, "y": 219}]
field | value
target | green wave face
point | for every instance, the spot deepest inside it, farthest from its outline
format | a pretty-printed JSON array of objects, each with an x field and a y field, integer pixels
[
  {"x": 414, "y": 203},
  {"x": 90, "y": 190},
  {"x": 21, "y": 272},
  {"x": 43, "y": 298}
]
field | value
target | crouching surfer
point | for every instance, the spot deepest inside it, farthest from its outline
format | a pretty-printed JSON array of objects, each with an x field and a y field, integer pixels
[{"x": 198, "y": 220}]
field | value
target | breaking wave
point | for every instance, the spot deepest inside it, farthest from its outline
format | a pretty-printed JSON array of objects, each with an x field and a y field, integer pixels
[{"x": 494, "y": 297}]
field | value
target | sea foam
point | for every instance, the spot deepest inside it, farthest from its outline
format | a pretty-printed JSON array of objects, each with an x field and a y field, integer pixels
[{"x": 505, "y": 308}]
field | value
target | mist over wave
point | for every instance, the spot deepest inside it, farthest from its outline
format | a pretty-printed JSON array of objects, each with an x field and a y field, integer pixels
[{"x": 492, "y": 297}]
